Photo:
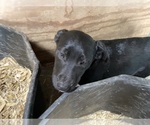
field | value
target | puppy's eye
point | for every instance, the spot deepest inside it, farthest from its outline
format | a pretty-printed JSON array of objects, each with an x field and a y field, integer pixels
[
  {"x": 82, "y": 61},
  {"x": 66, "y": 51},
  {"x": 62, "y": 55}
]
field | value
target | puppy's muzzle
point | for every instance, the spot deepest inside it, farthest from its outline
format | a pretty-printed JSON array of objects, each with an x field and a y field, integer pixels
[{"x": 65, "y": 85}]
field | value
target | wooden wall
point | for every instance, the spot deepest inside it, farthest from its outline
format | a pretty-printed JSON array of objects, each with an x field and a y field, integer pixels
[{"x": 105, "y": 20}]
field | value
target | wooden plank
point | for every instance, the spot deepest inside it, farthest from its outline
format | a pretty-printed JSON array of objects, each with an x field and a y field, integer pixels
[
  {"x": 14, "y": 3},
  {"x": 40, "y": 23}
]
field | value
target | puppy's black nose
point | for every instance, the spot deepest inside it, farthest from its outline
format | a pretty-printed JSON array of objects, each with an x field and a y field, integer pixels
[
  {"x": 61, "y": 78},
  {"x": 60, "y": 85},
  {"x": 64, "y": 84}
]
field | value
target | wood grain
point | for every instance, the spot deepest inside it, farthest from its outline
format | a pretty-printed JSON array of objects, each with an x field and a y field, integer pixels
[{"x": 40, "y": 23}]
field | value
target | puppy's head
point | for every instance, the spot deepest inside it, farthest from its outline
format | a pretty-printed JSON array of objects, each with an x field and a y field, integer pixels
[{"x": 74, "y": 54}]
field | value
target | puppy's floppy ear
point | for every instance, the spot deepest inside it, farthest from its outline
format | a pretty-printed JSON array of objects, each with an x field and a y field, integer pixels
[
  {"x": 101, "y": 51},
  {"x": 59, "y": 34}
]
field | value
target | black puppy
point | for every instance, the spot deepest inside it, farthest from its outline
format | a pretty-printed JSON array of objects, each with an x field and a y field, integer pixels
[{"x": 79, "y": 59}]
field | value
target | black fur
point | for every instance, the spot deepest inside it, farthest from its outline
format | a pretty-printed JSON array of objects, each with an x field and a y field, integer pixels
[{"x": 79, "y": 59}]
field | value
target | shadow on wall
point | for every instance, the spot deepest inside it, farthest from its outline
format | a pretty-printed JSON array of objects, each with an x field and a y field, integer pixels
[
  {"x": 46, "y": 94},
  {"x": 44, "y": 56}
]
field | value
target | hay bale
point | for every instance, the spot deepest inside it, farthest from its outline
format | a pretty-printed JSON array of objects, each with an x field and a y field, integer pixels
[
  {"x": 14, "y": 87},
  {"x": 101, "y": 114},
  {"x": 102, "y": 117}
]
